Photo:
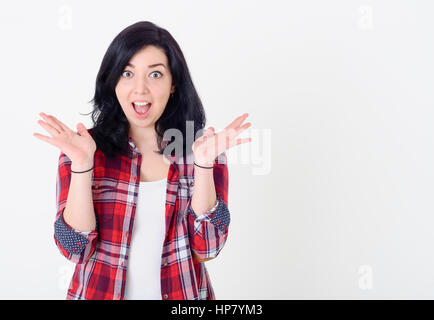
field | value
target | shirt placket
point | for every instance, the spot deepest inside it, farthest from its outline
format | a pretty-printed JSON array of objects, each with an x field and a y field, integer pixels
[{"x": 135, "y": 176}]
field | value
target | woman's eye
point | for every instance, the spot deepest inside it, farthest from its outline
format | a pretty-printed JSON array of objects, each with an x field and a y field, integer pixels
[
  {"x": 123, "y": 73},
  {"x": 126, "y": 73},
  {"x": 158, "y": 73}
]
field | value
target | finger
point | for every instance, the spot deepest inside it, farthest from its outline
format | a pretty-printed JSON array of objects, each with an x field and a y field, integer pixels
[
  {"x": 49, "y": 119},
  {"x": 240, "y": 141},
  {"x": 53, "y": 131},
  {"x": 210, "y": 132},
  {"x": 243, "y": 127},
  {"x": 232, "y": 133},
  {"x": 206, "y": 134},
  {"x": 82, "y": 130},
  {"x": 61, "y": 124},
  {"x": 46, "y": 139},
  {"x": 237, "y": 122},
  {"x": 229, "y": 143},
  {"x": 223, "y": 142}
]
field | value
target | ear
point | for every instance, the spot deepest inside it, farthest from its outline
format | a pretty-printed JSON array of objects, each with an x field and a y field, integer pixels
[{"x": 172, "y": 90}]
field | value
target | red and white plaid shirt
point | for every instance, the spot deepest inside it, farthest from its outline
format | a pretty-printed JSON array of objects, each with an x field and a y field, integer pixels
[{"x": 101, "y": 256}]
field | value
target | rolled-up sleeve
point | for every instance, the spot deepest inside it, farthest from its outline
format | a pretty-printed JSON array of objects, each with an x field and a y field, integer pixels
[
  {"x": 77, "y": 246},
  {"x": 208, "y": 233}
]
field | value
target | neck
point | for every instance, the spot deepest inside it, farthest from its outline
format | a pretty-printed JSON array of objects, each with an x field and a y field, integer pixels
[{"x": 145, "y": 139}]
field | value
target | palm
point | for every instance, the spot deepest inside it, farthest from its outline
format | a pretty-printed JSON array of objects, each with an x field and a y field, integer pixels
[
  {"x": 208, "y": 147},
  {"x": 75, "y": 146},
  {"x": 78, "y": 146}
]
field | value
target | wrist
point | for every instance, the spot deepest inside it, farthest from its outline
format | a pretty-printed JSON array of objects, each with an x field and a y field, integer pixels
[
  {"x": 81, "y": 165},
  {"x": 203, "y": 163},
  {"x": 203, "y": 169}
]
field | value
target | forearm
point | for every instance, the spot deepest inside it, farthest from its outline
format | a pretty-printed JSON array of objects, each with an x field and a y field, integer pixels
[
  {"x": 204, "y": 195},
  {"x": 79, "y": 211}
]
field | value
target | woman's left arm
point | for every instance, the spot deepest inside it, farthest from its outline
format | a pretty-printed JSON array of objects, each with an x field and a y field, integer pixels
[
  {"x": 204, "y": 197},
  {"x": 208, "y": 230},
  {"x": 208, "y": 205}
]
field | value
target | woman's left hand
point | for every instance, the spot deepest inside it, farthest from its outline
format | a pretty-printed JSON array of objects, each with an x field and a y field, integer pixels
[{"x": 209, "y": 146}]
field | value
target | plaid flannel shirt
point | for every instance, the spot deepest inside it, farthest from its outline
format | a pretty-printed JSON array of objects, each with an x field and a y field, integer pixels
[{"x": 101, "y": 255}]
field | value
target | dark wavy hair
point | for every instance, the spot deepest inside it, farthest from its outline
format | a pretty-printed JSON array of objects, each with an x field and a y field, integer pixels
[{"x": 110, "y": 125}]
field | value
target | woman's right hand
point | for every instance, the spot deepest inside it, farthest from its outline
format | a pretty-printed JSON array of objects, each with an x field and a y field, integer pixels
[{"x": 79, "y": 147}]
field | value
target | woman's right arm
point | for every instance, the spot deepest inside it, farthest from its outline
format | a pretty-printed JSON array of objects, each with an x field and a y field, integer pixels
[
  {"x": 75, "y": 212},
  {"x": 79, "y": 212},
  {"x": 76, "y": 224}
]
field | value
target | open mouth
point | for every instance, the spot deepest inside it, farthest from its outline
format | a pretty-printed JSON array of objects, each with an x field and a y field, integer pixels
[{"x": 141, "y": 110}]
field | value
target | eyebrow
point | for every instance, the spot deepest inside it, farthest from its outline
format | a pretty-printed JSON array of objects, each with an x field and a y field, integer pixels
[{"x": 150, "y": 66}]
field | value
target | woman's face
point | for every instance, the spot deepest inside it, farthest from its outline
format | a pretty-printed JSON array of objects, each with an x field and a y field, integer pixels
[{"x": 146, "y": 78}]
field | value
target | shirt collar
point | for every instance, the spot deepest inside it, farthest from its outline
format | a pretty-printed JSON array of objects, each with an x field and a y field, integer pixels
[{"x": 132, "y": 144}]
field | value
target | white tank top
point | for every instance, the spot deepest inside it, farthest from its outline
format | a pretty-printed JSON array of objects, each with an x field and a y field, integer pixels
[{"x": 144, "y": 256}]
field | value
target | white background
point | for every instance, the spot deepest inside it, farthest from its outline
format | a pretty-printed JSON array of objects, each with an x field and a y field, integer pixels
[{"x": 333, "y": 199}]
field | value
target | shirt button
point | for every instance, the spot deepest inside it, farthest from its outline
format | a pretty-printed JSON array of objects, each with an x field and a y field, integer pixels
[
  {"x": 191, "y": 183},
  {"x": 165, "y": 264},
  {"x": 166, "y": 296}
]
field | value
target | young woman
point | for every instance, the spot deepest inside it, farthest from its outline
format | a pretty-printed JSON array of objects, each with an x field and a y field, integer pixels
[{"x": 126, "y": 211}]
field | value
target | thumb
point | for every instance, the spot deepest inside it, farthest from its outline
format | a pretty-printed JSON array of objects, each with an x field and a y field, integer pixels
[
  {"x": 81, "y": 129},
  {"x": 210, "y": 132}
]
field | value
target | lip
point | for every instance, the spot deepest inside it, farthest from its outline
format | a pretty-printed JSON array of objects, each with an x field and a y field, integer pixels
[
  {"x": 141, "y": 101},
  {"x": 138, "y": 115}
]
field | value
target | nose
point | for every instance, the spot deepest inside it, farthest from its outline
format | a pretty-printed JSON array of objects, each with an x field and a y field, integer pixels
[{"x": 140, "y": 86}]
